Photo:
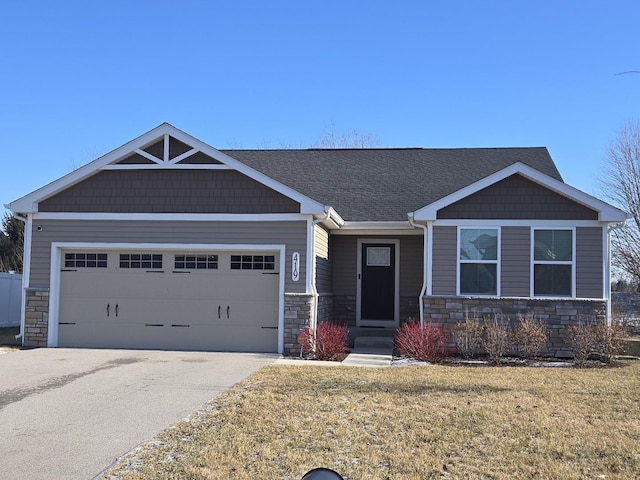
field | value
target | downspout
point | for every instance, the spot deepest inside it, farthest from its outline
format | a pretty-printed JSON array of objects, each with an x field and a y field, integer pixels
[
  {"x": 314, "y": 289},
  {"x": 26, "y": 265},
  {"x": 425, "y": 253}
]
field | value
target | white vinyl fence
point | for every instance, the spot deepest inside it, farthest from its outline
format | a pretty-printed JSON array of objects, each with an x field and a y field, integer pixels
[{"x": 10, "y": 299}]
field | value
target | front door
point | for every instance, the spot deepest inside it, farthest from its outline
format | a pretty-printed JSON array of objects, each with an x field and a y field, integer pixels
[{"x": 378, "y": 284}]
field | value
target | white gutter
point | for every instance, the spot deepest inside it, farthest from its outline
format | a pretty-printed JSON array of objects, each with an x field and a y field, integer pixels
[{"x": 424, "y": 265}]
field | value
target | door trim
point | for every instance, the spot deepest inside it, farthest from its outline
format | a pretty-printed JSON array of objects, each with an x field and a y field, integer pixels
[
  {"x": 56, "y": 262},
  {"x": 378, "y": 323}
]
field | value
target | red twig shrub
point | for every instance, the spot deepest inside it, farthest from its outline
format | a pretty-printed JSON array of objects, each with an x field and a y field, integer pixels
[
  {"x": 426, "y": 344},
  {"x": 329, "y": 342}
]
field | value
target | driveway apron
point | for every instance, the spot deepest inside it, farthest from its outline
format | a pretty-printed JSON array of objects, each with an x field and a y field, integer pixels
[{"x": 69, "y": 413}]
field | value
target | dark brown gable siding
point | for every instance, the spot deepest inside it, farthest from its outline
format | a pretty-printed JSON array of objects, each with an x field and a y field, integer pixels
[
  {"x": 516, "y": 197},
  {"x": 169, "y": 191}
]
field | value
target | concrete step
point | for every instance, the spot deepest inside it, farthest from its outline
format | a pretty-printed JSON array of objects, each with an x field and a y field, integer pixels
[{"x": 382, "y": 345}]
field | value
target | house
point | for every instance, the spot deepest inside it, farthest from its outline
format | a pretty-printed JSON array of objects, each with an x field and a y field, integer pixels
[{"x": 169, "y": 243}]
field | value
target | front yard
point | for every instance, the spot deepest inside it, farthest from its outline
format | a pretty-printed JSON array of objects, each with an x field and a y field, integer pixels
[{"x": 408, "y": 423}]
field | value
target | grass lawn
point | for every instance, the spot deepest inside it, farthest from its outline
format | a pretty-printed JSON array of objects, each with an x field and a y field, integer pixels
[{"x": 409, "y": 423}]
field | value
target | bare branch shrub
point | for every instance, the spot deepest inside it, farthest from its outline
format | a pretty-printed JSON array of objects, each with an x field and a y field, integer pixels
[
  {"x": 610, "y": 340},
  {"x": 496, "y": 337},
  {"x": 582, "y": 339},
  {"x": 530, "y": 335},
  {"x": 468, "y": 336}
]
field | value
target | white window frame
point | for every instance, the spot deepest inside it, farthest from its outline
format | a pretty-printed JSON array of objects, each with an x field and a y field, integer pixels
[
  {"x": 534, "y": 262},
  {"x": 497, "y": 261}
]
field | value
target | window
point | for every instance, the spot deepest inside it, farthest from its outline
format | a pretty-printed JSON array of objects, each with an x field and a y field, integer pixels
[
  {"x": 196, "y": 262},
  {"x": 85, "y": 260},
  {"x": 253, "y": 262},
  {"x": 140, "y": 260},
  {"x": 553, "y": 263},
  {"x": 478, "y": 261}
]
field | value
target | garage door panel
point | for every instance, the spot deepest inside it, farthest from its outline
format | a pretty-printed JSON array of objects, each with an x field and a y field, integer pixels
[{"x": 206, "y": 309}]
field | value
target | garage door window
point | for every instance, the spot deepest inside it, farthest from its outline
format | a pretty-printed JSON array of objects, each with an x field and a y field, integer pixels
[
  {"x": 253, "y": 262},
  {"x": 140, "y": 260},
  {"x": 196, "y": 262},
  {"x": 85, "y": 260}
]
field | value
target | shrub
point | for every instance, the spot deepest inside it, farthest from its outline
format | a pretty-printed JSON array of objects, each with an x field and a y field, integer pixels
[
  {"x": 609, "y": 340},
  {"x": 495, "y": 339},
  {"x": 331, "y": 341},
  {"x": 530, "y": 336},
  {"x": 468, "y": 336},
  {"x": 425, "y": 343},
  {"x": 582, "y": 339},
  {"x": 307, "y": 341},
  {"x": 328, "y": 343}
]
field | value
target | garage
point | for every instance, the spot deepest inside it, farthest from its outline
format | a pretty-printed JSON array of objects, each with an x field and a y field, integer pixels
[{"x": 225, "y": 300}]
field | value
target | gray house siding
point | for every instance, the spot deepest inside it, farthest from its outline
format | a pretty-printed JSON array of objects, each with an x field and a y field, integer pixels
[
  {"x": 169, "y": 191},
  {"x": 292, "y": 234},
  {"x": 516, "y": 197},
  {"x": 445, "y": 251},
  {"x": 515, "y": 261},
  {"x": 589, "y": 266},
  {"x": 344, "y": 264},
  {"x": 323, "y": 263}
]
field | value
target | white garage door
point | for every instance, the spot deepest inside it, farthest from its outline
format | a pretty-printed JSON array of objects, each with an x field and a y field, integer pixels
[{"x": 174, "y": 300}]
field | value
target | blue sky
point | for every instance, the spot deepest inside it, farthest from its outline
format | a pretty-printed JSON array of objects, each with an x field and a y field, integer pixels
[{"x": 80, "y": 78}]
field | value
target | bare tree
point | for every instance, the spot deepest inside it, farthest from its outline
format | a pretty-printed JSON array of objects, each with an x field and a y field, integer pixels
[
  {"x": 620, "y": 183},
  {"x": 351, "y": 139}
]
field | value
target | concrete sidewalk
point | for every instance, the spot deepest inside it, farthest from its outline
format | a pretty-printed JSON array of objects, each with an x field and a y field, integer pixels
[{"x": 367, "y": 355}]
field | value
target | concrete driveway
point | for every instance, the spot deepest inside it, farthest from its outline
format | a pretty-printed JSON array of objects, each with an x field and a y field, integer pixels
[{"x": 69, "y": 413}]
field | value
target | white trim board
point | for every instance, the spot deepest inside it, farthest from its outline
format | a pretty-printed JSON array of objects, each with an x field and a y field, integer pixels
[
  {"x": 190, "y": 217},
  {"x": 56, "y": 263}
]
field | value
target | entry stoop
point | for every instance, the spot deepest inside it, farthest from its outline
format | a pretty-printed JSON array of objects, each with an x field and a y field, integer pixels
[{"x": 378, "y": 345}]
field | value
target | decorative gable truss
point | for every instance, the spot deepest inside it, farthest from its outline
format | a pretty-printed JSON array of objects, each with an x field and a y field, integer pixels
[{"x": 167, "y": 152}]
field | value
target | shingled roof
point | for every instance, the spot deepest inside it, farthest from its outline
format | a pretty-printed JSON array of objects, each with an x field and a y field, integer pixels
[{"x": 385, "y": 184}]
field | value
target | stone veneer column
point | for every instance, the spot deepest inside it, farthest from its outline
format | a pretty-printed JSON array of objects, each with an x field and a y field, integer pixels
[
  {"x": 298, "y": 309},
  {"x": 36, "y": 321}
]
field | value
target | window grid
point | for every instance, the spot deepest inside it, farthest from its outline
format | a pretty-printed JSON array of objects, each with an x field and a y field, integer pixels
[
  {"x": 252, "y": 262},
  {"x": 196, "y": 262},
  {"x": 85, "y": 260},
  {"x": 140, "y": 260}
]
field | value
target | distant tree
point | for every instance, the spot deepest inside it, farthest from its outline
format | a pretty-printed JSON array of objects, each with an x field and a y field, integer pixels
[
  {"x": 620, "y": 183},
  {"x": 351, "y": 139},
  {"x": 11, "y": 244}
]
